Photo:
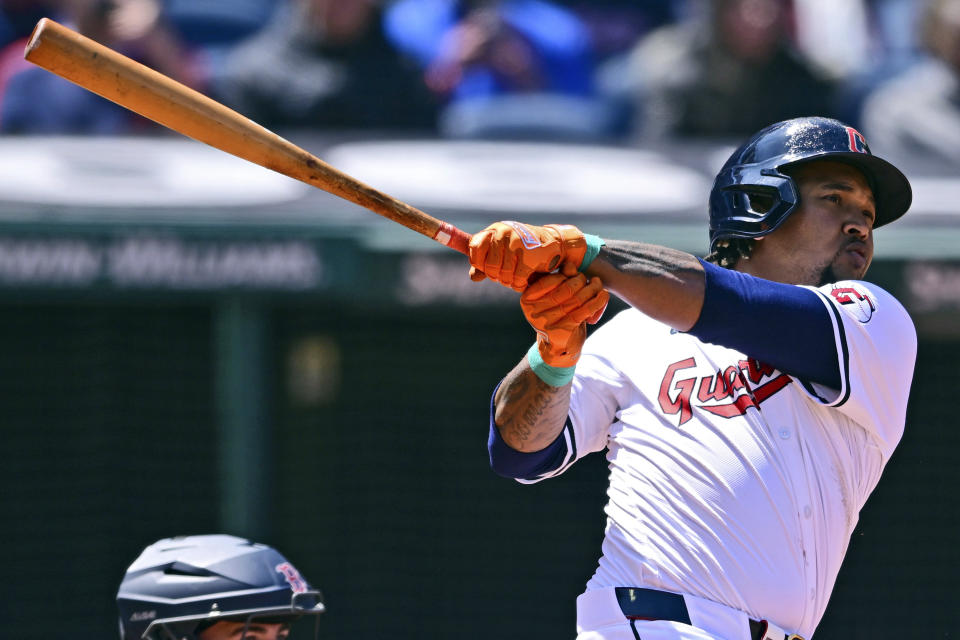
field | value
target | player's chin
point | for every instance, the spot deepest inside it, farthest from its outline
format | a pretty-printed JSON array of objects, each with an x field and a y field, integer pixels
[{"x": 850, "y": 265}]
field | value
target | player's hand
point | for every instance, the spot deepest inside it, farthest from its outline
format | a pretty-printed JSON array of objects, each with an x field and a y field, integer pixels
[
  {"x": 511, "y": 252},
  {"x": 559, "y": 306}
]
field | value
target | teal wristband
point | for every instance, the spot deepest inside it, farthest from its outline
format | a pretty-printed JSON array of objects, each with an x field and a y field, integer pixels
[
  {"x": 554, "y": 376},
  {"x": 593, "y": 249}
]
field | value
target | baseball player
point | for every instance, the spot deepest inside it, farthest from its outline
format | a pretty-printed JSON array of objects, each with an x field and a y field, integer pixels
[
  {"x": 213, "y": 587},
  {"x": 747, "y": 402}
]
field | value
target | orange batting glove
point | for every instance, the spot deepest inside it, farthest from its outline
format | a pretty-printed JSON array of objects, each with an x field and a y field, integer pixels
[
  {"x": 559, "y": 306},
  {"x": 510, "y": 252}
]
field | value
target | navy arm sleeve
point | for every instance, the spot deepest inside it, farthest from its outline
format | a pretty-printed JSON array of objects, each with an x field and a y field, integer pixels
[{"x": 782, "y": 325}]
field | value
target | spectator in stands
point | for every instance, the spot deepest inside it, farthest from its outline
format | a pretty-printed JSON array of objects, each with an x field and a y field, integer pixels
[
  {"x": 916, "y": 115},
  {"x": 34, "y": 101},
  {"x": 512, "y": 67},
  {"x": 896, "y": 34},
  {"x": 211, "y": 29},
  {"x": 17, "y": 18},
  {"x": 834, "y": 35},
  {"x": 325, "y": 64},
  {"x": 865, "y": 44},
  {"x": 616, "y": 25},
  {"x": 728, "y": 71},
  {"x": 218, "y": 23}
]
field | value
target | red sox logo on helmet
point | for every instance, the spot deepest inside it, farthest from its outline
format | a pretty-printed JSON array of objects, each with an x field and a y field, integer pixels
[{"x": 292, "y": 576}]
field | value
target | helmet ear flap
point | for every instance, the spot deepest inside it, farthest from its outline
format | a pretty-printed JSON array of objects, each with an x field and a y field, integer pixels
[{"x": 749, "y": 203}]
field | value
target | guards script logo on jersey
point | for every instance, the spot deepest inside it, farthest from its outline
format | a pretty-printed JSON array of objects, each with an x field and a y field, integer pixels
[
  {"x": 856, "y": 299},
  {"x": 726, "y": 393}
]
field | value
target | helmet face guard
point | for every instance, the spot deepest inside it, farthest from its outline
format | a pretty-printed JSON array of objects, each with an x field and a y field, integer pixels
[
  {"x": 178, "y": 584},
  {"x": 756, "y": 169},
  {"x": 302, "y": 604}
]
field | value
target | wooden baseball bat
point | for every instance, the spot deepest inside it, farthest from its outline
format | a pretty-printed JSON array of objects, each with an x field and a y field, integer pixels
[{"x": 164, "y": 100}]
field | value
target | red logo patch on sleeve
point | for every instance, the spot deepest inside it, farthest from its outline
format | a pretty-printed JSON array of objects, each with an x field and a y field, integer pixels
[{"x": 855, "y": 299}]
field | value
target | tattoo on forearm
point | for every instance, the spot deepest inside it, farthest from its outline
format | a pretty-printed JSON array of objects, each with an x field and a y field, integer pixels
[{"x": 529, "y": 412}]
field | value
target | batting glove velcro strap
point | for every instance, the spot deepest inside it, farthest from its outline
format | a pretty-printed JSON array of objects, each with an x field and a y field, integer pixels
[
  {"x": 594, "y": 243},
  {"x": 553, "y": 376}
]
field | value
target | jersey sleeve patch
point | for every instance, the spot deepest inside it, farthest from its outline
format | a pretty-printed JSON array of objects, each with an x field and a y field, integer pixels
[{"x": 855, "y": 299}]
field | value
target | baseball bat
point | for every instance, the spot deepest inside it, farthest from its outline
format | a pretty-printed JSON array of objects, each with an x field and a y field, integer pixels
[{"x": 155, "y": 96}]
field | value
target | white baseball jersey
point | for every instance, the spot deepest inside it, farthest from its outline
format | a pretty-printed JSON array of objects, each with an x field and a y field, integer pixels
[{"x": 731, "y": 480}]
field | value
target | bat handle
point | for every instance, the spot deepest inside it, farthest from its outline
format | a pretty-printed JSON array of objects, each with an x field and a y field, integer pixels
[{"x": 452, "y": 237}]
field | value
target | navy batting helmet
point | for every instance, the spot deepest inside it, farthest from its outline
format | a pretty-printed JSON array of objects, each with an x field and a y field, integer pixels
[
  {"x": 755, "y": 170},
  {"x": 180, "y": 584}
]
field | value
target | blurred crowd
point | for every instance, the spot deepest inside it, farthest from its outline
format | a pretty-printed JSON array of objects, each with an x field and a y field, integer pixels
[{"x": 574, "y": 69}]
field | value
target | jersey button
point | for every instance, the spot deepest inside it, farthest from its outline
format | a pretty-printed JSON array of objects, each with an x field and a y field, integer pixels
[
  {"x": 785, "y": 434},
  {"x": 807, "y": 511}
]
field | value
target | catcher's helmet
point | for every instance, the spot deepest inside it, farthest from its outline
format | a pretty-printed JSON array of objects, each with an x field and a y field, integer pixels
[
  {"x": 755, "y": 169},
  {"x": 178, "y": 584}
]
